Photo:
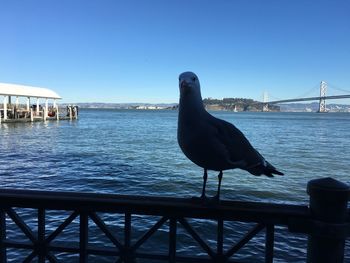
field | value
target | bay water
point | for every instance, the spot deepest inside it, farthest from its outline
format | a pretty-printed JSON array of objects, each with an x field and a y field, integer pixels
[{"x": 135, "y": 152}]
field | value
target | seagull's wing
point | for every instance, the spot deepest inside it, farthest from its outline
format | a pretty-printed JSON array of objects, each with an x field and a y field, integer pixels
[
  {"x": 234, "y": 141},
  {"x": 240, "y": 152}
]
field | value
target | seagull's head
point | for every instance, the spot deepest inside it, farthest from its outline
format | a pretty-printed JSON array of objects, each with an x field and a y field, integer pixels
[{"x": 189, "y": 84}]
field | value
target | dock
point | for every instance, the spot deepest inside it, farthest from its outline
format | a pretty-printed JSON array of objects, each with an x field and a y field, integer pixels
[{"x": 23, "y": 110}]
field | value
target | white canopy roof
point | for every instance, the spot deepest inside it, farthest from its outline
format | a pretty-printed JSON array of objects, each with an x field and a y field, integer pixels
[{"x": 27, "y": 91}]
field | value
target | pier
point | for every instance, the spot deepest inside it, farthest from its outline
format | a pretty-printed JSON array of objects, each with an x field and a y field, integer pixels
[
  {"x": 325, "y": 221},
  {"x": 22, "y": 110}
]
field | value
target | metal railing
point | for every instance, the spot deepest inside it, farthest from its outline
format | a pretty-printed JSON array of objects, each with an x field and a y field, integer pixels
[{"x": 326, "y": 231}]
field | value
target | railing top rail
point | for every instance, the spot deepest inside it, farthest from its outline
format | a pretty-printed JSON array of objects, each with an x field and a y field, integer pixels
[{"x": 152, "y": 205}]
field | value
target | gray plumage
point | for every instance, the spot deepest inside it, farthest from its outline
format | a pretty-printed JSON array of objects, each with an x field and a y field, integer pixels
[{"x": 212, "y": 143}]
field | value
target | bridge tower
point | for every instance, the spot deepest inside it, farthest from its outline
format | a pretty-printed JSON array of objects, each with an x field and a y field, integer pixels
[
  {"x": 322, "y": 104},
  {"x": 265, "y": 102}
]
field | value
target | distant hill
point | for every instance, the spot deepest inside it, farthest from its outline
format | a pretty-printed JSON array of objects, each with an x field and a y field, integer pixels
[{"x": 236, "y": 104}]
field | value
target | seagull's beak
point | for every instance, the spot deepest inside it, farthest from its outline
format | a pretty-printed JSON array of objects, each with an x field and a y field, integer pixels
[{"x": 183, "y": 86}]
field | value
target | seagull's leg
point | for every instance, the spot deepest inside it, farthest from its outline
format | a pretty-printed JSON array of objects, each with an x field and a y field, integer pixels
[
  {"x": 205, "y": 177},
  {"x": 217, "y": 196}
]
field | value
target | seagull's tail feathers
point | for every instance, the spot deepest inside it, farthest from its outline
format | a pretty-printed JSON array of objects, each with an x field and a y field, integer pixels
[
  {"x": 264, "y": 168},
  {"x": 270, "y": 170}
]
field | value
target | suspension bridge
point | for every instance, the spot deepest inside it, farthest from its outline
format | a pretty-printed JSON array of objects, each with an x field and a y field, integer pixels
[{"x": 321, "y": 98}]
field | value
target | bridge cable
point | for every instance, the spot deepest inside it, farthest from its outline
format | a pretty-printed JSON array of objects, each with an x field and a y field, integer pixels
[
  {"x": 337, "y": 88},
  {"x": 309, "y": 92},
  {"x": 273, "y": 97},
  {"x": 305, "y": 94}
]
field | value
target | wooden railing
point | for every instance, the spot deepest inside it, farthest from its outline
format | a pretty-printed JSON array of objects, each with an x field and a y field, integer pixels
[{"x": 326, "y": 222}]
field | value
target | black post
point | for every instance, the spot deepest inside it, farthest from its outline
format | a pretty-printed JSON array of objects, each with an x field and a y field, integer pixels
[
  {"x": 172, "y": 240},
  {"x": 84, "y": 237},
  {"x": 3, "y": 257},
  {"x": 41, "y": 236},
  {"x": 328, "y": 207}
]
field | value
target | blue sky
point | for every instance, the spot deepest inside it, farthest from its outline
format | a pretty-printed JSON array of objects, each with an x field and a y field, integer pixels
[{"x": 134, "y": 50}]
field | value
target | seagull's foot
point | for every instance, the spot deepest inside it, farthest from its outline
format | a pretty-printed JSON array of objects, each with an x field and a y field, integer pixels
[
  {"x": 206, "y": 200},
  {"x": 215, "y": 199},
  {"x": 202, "y": 199}
]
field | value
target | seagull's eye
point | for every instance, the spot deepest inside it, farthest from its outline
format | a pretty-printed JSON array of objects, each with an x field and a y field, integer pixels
[{"x": 194, "y": 79}]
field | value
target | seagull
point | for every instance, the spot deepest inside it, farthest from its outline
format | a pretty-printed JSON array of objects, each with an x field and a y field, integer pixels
[{"x": 212, "y": 143}]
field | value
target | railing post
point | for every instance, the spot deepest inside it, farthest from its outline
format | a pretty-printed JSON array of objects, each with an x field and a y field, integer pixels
[
  {"x": 220, "y": 257},
  {"x": 41, "y": 236},
  {"x": 84, "y": 237},
  {"x": 3, "y": 257},
  {"x": 220, "y": 238},
  {"x": 328, "y": 208},
  {"x": 172, "y": 240},
  {"x": 127, "y": 254},
  {"x": 269, "y": 243}
]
